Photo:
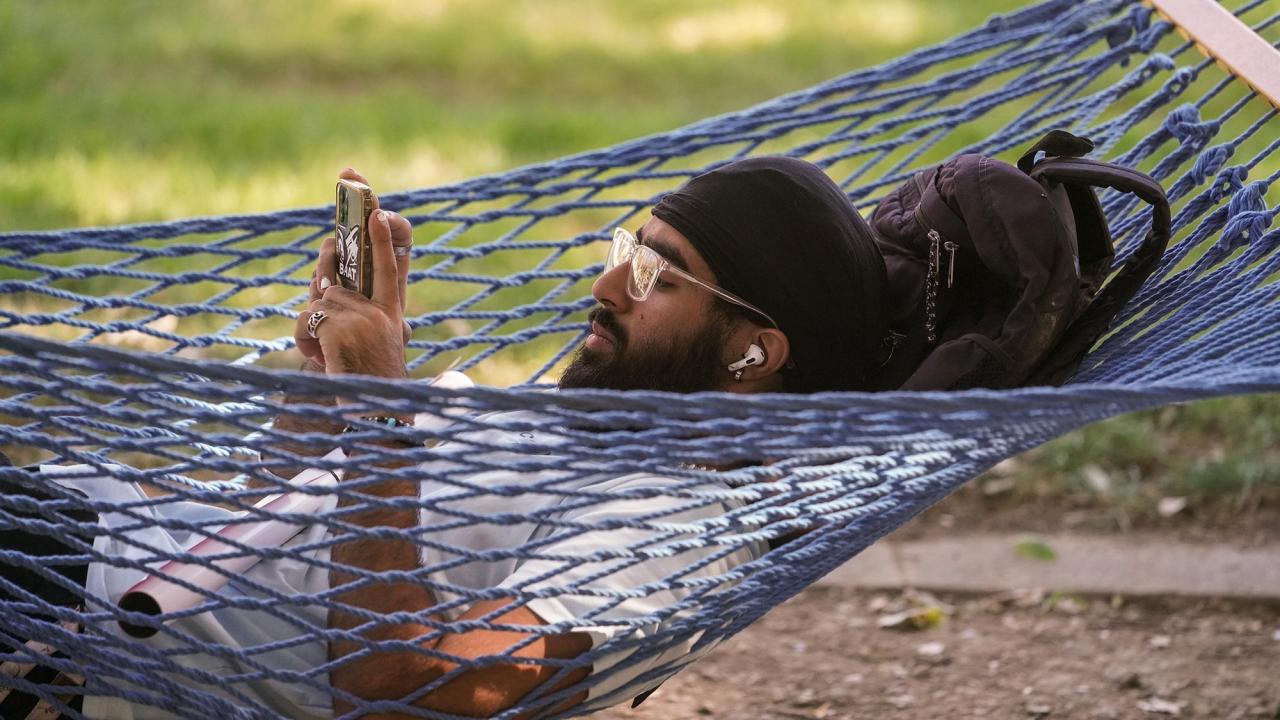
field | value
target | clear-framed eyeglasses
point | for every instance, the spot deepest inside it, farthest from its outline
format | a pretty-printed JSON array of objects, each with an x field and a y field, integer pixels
[{"x": 647, "y": 266}]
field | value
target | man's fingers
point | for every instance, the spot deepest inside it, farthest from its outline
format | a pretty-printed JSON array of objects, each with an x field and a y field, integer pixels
[
  {"x": 336, "y": 297},
  {"x": 401, "y": 229},
  {"x": 401, "y": 241},
  {"x": 351, "y": 174},
  {"x": 307, "y": 345},
  {"x": 326, "y": 266},
  {"x": 336, "y": 300},
  {"x": 386, "y": 290}
]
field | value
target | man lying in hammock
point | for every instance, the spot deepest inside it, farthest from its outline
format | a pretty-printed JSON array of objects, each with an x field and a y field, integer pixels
[{"x": 756, "y": 277}]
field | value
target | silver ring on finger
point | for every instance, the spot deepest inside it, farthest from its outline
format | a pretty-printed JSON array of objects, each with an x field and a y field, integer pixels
[
  {"x": 313, "y": 323},
  {"x": 401, "y": 250}
]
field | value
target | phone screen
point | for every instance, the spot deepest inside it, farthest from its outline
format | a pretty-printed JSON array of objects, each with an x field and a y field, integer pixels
[{"x": 354, "y": 257}]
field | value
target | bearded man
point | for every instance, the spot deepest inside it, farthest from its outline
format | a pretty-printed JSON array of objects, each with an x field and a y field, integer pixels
[{"x": 756, "y": 277}]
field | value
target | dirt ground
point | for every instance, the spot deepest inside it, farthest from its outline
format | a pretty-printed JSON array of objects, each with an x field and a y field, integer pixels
[
  {"x": 823, "y": 655},
  {"x": 1022, "y": 655}
]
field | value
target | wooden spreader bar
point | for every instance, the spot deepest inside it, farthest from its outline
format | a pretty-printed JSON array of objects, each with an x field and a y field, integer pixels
[{"x": 1223, "y": 37}]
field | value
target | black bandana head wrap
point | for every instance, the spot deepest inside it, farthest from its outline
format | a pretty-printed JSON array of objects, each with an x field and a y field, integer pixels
[{"x": 780, "y": 234}]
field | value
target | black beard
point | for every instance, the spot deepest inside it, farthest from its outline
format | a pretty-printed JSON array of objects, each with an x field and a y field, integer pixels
[{"x": 666, "y": 364}]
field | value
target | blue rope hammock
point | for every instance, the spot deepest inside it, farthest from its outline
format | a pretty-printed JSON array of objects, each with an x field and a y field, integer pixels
[{"x": 146, "y": 362}]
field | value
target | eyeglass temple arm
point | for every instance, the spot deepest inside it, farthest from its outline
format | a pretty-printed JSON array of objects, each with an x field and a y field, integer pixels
[{"x": 722, "y": 293}]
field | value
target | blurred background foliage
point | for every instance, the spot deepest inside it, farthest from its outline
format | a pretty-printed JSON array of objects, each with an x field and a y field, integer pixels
[
  {"x": 129, "y": 110},
  {"x": 123, "y": 111}
]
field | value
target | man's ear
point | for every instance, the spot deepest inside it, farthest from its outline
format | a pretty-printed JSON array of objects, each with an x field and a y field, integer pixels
[{"x": 777, "y": 354}]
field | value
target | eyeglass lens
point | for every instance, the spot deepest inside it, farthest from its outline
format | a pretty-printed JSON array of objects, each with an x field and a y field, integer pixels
[
  {"x": 645, "y": 267},
  {"x": 621, "y": 250}
]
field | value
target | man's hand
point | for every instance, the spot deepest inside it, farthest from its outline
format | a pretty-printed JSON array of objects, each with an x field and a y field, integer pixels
[
  {"x": 361, "y": 335},
  {"x": 361, "y": 342}
]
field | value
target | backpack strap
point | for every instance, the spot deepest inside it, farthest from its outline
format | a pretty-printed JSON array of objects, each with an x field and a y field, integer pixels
[
  {"x": 1058, "y": 143},
  {"x": 1085, "y": 331},
  {"x": 1080, "y": 171}
]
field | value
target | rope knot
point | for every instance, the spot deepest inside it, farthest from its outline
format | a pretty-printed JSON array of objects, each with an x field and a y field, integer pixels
[
  {"x": 1248, "y": 198},
  {"x": 1153, "y": 65},
  {"x": 1230, "y": 180},
  {"x": 1149, "y": 38},
  {"x": 1178, "y": 83},
  {"x": 1119, "y": 33},
  {"x": 1247, "y": 216},
  {"x": 1184, "y": 124},
  {"x": 1210, "y": 162}
]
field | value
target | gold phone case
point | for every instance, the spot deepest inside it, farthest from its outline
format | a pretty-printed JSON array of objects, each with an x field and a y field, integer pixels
[{"x": 354, "y": 248}]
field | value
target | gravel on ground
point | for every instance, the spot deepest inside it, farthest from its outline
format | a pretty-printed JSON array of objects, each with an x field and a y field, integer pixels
[{"x": 1027, "y": 654}]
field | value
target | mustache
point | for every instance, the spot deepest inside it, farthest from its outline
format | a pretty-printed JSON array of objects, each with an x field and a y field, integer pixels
[{"x": 607, "y": 320}]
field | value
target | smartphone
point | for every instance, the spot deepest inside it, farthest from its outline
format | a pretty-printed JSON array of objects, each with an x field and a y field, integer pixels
[{"x": 354, "y": 248}]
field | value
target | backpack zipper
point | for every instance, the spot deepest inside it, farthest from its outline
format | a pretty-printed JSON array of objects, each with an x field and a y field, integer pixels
[
  {"x": 936, "y": 246},
  {"x": 950, "y": 247}
]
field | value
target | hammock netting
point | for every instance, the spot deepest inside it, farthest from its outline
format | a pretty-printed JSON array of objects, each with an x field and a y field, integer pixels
[{"x": 148, "y": 362}]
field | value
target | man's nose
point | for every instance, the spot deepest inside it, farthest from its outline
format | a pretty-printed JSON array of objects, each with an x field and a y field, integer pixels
[{"x": 610, "y": 289}]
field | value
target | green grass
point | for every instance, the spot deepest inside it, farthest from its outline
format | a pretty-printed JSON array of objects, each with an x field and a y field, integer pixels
[
  {"x": 127, "y": 111},
  {"x": 1222, "y": 455},
  {"x": 117, "y": 112}
]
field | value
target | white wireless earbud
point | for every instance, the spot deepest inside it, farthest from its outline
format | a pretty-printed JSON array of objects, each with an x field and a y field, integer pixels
[{"x": 753, "y": 356}]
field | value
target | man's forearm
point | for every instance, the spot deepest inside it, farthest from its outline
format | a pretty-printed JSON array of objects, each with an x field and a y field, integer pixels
[
  {"x": 393, "y": 675},
  {"x": 382, "y": 675},
  {"x": 293, "y": 423}
]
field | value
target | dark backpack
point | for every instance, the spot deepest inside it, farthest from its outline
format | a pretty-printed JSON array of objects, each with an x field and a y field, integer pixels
[{"x": 995, "y": 272}]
